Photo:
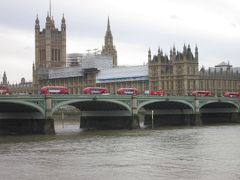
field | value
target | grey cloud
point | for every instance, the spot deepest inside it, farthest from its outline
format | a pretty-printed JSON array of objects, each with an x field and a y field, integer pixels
[{"x": 174, "y": 17}]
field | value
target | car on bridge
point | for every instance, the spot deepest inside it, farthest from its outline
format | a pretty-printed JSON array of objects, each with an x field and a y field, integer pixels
[
  {"x": 96, "y": 90},
  {"x": 128, "y": 91},
  {"x": 4, "y": 90},
  {"x": 54, "y": 90},
  {"x": 231, "y": 94}
]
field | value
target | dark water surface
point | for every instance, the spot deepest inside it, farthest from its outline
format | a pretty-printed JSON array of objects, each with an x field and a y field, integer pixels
[{"x": 207, "y": 152}]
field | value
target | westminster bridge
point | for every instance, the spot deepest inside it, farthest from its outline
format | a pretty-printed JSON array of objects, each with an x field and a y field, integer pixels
[{"x": 34, "y": 113}]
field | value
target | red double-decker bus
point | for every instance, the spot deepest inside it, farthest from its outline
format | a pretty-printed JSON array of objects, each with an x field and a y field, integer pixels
[
  {"x": 127, "y": 91},
  {"x": 231, "y": 94},
  {"x": 4, "y": 90},
  {"x": 154, "y": 93},
  {"x": 201, "y": 93},
  {"x": 95, "y": 90},
  {"x": 54, "y": 90}
]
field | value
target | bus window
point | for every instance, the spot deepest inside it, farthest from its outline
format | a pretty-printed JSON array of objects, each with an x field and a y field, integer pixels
[
  {"x": 4, "y": 90},
  {"x": 201, "y": 93},
  {"x": 54, "y": 90},
  {"x": 95, "y": 90},
  {"x": 127, "y": 91},
  {"x": 231, "y": 94}
]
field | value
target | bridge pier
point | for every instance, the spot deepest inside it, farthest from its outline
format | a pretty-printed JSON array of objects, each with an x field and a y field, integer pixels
[
  {"x": 48, "y": 127},
  {"x": 235, "y": 117},
  {"x": 48, "y": 124},
  {"x": 187, "y": 119},
  {"x": 135, "y": 124},
  {"x": 197, "y": 119}
]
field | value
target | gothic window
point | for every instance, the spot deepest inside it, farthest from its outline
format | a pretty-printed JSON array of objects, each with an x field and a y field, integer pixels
[
  {"x": 52, "y": 55},
  {"x": 59, "y": 57},
  {"x": 56, "y": 57}
]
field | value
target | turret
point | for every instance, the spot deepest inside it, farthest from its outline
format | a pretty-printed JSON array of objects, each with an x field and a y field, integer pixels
[
  {"x": 159, "y": 51},
  {"x": 52, "y": 23},
  {"x": 184, "y": 48},
  {"x": 149, "y": 55},
  {"x": 37, "y": 26},
  {"x": 174, "y": 50},
  {"x": 48, "y": 22},
  {"x": 63, "y": 25},
  {"x": 159, "y": 54},
  {"x": 196, "y": 53}
]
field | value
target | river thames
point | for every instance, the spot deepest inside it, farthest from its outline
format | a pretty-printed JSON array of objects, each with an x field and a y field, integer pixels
[{"x": 205, "y": 152}]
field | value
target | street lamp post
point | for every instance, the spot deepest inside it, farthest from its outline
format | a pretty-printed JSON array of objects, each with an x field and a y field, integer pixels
[{"x": 152, "y": 119}]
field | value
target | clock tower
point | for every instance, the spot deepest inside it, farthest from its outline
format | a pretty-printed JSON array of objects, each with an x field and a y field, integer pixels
[{"x": 109, "y": 49}]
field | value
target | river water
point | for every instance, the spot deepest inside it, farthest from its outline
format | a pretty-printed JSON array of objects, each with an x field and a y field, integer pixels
[{"x": 206, "y": 152}]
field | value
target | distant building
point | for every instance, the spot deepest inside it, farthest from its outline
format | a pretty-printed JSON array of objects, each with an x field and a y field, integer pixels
[
  {"x": 223, "y": 77},
  {"x": 21, "y": 88}
]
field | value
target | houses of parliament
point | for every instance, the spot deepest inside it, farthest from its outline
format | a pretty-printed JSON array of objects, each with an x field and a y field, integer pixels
[{"x": 177, "y": 73}]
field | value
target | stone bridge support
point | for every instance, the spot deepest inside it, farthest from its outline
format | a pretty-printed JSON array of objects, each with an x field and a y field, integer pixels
[
  {"x": 135, "y": 117},
  {"x": 196, "y": 114},
  {"x": 235, "y": 117},
  {"x": 48, "y": 125}
]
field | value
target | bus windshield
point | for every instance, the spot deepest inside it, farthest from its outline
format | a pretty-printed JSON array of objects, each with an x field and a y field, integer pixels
[
  {"x": 95, "y": 90},
  {"x": 127, "y": 91},
  {"x": 54, "y": 90}
]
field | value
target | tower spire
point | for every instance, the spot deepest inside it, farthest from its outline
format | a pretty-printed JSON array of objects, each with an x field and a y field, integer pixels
[
  {"x": 50, "y": 9},
  {"x": 108, "y": 48},
  {"x": 108, "y": 25}
]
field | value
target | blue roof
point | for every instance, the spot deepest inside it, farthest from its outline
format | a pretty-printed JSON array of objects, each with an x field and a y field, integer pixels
[{"x": 123, "y": 73}]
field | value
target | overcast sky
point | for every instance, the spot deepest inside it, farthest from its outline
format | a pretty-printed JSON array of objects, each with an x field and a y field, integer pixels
[{"x": 136, "y": 25}]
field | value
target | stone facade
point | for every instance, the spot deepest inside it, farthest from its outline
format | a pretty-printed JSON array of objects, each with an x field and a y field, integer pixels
[
  {"x": 221, "y": 78},
  {"x": 50, "y": 49},
  {"x": 177, "y": 74}
]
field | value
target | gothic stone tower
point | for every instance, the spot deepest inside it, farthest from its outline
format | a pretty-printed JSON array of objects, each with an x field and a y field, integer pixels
[
  {"x": 178, "y": 75},
  {"x": 4, "y": 79},
  {"x": 185, "y": 71},
  {"x": 159, "y": 72},
  {"x": 109, "y": 49},
  {"x": 50, "y": 48}
]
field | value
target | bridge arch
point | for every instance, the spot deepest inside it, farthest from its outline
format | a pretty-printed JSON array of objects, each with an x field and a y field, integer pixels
[
  {"x": 162, "y": 112},
  {"x": 164, "y": 101},
  {"x": 71, "y": 102},
  {"x": 21, "y": 117},
  {"x": 100, "y": 113},
  {"x": 219, "y": 112},
  {"x": 24, "y": 103},
  {"x": 209, "y": 103}
]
